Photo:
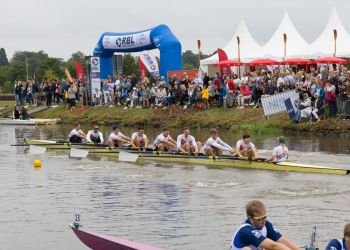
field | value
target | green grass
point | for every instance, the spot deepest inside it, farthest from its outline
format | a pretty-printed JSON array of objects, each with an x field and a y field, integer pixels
[{"x": 246, "y": 120}]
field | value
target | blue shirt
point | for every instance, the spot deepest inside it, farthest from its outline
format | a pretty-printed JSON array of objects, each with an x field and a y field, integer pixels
[
  {"x": 336, "y": 244},
  {"x": 247, "y": 235}
]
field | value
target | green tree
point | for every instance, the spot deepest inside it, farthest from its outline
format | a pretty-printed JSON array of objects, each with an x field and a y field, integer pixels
[
  {"x": 77, "y": 56},
  {"x": 130, "y": 65},
  {"x": 3, "y": 58},
  {"x": 54, "y": 64}
]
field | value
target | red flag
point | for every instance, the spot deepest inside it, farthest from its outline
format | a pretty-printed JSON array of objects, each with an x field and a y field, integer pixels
[
  {"x": 80, "y": 71},
  {"x": 223, "y": 57},
  {"x": 143, "y": 69}
]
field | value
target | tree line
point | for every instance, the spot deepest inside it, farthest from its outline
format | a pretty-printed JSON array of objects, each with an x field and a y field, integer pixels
[{"x": 43, "y": 67}]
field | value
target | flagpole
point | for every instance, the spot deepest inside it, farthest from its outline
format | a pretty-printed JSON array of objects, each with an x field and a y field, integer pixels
[
  {"x": 239, "y": 56},
  {"x": 199, "y": 53},
  {"x": 335, "y": 41},
  {"x": 285, "y": 45}
]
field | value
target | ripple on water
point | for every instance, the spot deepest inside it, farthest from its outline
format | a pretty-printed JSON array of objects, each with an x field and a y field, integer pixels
[
  {"x": 300, "y": 192},
  {"x": 203, "y": 184}
]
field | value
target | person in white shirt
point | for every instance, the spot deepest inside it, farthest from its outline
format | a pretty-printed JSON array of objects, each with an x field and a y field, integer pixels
[
  {"x": 94, "y": 135},
  {"x": 214, "y": 145},
  {"x": 245, "y": 148},
  {"x": 164, "y": 142},
  {"x": 279, "y": 153},
  {"x": 117, "y": 138},
  {"x": 139, "y": 139},
  {"x": 186, "y": 143},
  {"x": 76, "y": 135}
]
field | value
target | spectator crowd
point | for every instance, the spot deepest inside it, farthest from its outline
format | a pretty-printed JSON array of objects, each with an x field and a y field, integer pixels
[{"x": 317, "y": 87}]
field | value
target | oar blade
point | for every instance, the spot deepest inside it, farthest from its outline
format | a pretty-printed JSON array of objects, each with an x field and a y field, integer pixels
[
  {"x": 129, "y": 157},
  {"x": 36, "y": 150},
  {"x": 78, "y": 153}
]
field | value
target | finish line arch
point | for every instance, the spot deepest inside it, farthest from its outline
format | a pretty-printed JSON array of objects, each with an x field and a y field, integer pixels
[{"x": 159, "y": 37}]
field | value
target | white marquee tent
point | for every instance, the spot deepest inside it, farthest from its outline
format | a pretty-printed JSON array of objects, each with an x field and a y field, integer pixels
[
  {"x": 296, "y": 45},
  {"x": 324, "y": 44}
]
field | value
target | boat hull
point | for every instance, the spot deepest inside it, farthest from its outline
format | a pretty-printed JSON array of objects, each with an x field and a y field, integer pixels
[
  {"x": 217, "y": 162},
  {"x": 105, "y": 242}
]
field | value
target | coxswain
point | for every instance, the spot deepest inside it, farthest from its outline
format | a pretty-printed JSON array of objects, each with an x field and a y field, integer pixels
[
  {"x": 118, "y": 139},
  {"x": 94, "y": 135},
  {"x": 341, "y": 244},
  {"x": 279, "y": 153},
  {"x": 214, "y": 145},
  {"x": 76, "y": 135},
  {"x": 257, "y": 232},
  {"x": 186, "y": 143},
  {"x": 245, "y": 148},
  {"x": 139, "y": 139},
  {"x": 164, "y": 142}
]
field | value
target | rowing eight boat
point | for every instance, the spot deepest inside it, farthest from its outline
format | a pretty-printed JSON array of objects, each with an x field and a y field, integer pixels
[{"x": 225, "y": 161}]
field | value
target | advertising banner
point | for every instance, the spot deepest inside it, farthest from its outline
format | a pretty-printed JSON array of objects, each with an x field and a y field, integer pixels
[
  {"x": 274, "y": 104},
  {"x": 127, "y": 41},
  {"x": 95, "y": 76},
  {"x": 149, "y": 60}
]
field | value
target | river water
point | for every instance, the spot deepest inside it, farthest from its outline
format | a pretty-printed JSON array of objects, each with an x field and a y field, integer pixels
[{"x": 169, "y": 205}]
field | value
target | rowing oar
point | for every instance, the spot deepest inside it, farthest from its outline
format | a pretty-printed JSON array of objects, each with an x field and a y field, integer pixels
[
  {"x": 63, "y": 144},
  {"x": 122, "y": 155}
]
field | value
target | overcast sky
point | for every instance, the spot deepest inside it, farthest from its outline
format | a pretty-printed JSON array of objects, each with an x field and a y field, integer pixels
[{"x": 61, "y": 27}]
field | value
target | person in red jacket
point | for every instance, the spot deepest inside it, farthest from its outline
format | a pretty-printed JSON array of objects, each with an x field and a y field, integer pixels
[
  {"x": 244, "y": 94},
  {"x": 230, "y": 91}
]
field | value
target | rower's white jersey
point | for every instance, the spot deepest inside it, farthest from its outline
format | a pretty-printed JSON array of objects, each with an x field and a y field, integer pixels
[
  {"x": 280, "y": 153},
  {"x": 114, "y": 136},
  {"x": 217, "y": 143},
  {"x": 240, "y": 145},
  {"x": 182, "y": 139},
  {"x": 136, "y": 135},
  {"x": 75, "y": 132},
  {"x": 161, "y": 138},
  {"x": 94, "y": 134}
]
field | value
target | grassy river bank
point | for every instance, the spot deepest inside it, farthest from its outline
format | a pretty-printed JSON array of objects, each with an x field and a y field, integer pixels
[{"x": 248, "y": 119}]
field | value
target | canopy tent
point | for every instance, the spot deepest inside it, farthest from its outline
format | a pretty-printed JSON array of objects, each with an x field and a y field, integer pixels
[
  {"x": 263, "y": 62},
  {"x": 297, "y": 47},
  {"x": 297, "y": 61},
  {"x": 228, "y": 63},
  {"x": 324, "y": 44},
  {"x": 331, "y": 60},
  {"x": 249, "y": 48},
  {"x": 296, "y": 44}
]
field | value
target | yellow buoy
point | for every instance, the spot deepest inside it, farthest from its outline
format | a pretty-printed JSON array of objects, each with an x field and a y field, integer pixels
[{"x": 37, "y": 164}]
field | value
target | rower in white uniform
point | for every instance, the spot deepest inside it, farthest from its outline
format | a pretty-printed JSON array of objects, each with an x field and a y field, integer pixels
[
  {"x": 76, "y": 135},
  {"x": 164, "y": 142},
  {"x": 139, "y": 139},
  {"x": 94, "y": 135},
  {"x": 279, "y": 153},
  {"x": 214, "y": 145},
  {"x": 245, "y": 148},
  {"x": 118, "y": 139},
  {"x": 186, "y": 143}
]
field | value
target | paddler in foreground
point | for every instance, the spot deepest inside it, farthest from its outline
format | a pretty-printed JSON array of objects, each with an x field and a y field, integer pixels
[
  {"x": 118, "y": 139},
  {"x": 257, "y": 232},
  {"x": 164, "y": 142},
  {"x": 245, "y": 148},
  {"x": 341, "y": 244},
  {"x": 186, "y": 143},
  {"x": 76, "y": 135},
  {"x": 139, "y": 139},
  {"x": 94, "y": 135},
  {"x": 214, "y": 145},
  {"x": 279, "y": 153}
]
